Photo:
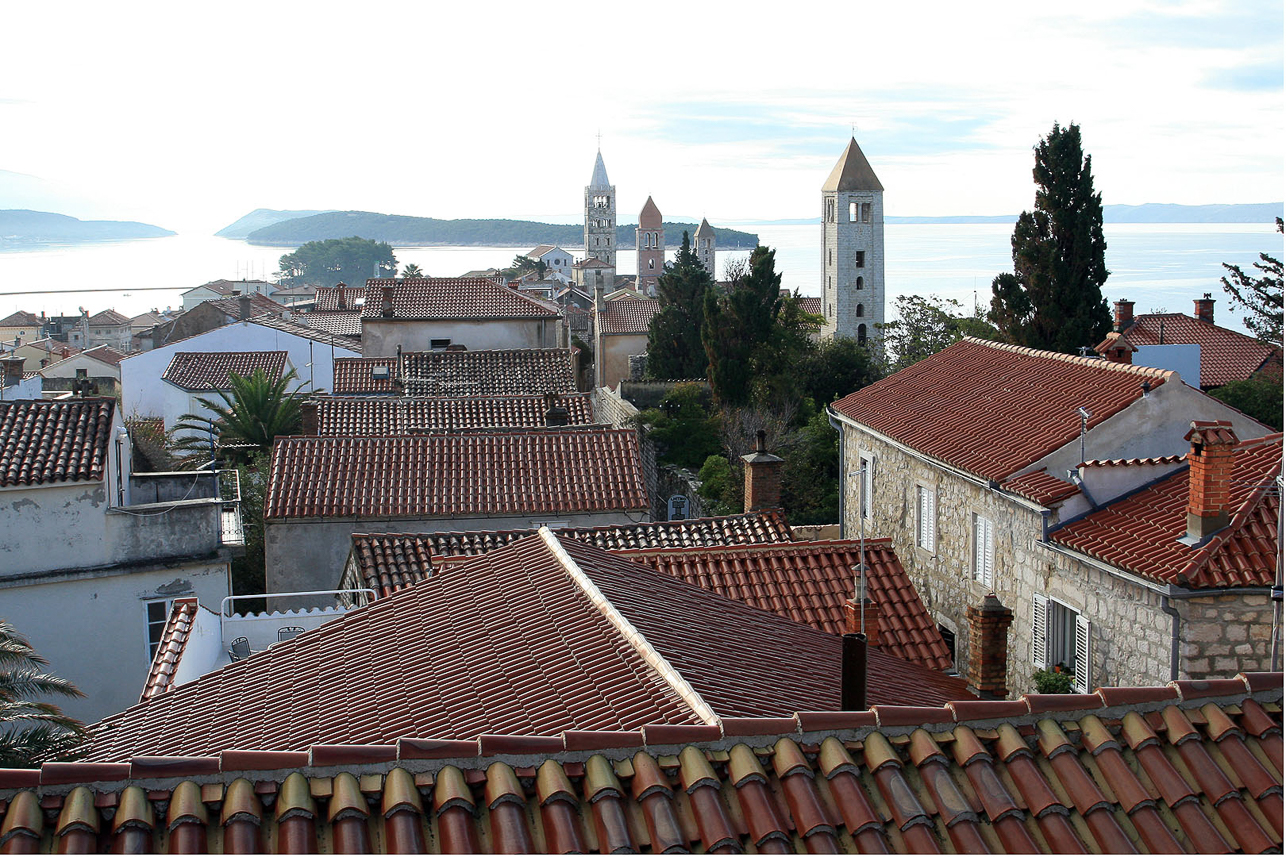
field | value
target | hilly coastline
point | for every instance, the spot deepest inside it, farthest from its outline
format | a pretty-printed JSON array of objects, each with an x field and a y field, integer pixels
[
  {"x": 403, "y": 231},
  {"x": 261, "y": 217},
  {"x": 21, "y": 227}
]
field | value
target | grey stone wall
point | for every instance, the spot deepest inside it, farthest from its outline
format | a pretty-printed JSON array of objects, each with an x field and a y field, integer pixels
[{"x": 841, "y": 239}]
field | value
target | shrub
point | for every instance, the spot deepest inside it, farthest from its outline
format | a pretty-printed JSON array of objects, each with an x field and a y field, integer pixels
[{"x": 1053, "y": 680}]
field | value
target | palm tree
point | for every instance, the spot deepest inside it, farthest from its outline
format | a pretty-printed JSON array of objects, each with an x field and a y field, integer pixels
[
  {"x": 247, "y": 419},
  {"x": 32, "y": 732},
  {"x": 411, "y": 271}
]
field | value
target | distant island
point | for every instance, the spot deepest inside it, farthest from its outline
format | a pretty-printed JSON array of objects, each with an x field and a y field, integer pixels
[
  {"x": 1152, "y": 212},
  {"x": 403, "y": 231},
  {"x": 261, "y": 217},
  {"x": 20, "y": 227}
]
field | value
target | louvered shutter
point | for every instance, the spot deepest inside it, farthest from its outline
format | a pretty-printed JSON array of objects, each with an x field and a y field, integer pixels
[
  {"x": 1039, "y": 621},
  {"x": 988, "y": 551},
  {"x": 926, "y": 518},
  {"x": 1082, "y": 654},
  {"x": 868, "y": 483},
  {"x": 979, "y": 548}
]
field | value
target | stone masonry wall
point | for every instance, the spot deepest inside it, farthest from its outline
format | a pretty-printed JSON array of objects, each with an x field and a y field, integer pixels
[{"x": 1225, "y": 634}]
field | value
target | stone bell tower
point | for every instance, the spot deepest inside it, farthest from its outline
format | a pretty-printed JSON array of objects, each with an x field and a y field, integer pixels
[
  {"x": 650, "y": 243},
  {"x": 853, "y": 248},
  {"x": 600, "y": 216}
]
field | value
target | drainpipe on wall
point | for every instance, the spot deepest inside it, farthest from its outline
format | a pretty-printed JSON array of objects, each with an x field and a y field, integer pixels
[{"x": 1168, "y": 608}]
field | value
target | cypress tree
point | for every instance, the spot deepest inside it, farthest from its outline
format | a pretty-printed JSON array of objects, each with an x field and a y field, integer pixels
[{"x": 674, "y": 348}]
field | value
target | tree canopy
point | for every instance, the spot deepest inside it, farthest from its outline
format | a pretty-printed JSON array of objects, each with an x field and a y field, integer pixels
[
  {"x": 925, "y": 326},
  {"x": 1054, "y": 300},
  {"x": 245, "y": 419},
  {"x": 337, "y": 260},
  {"x": 674, "y": 348},
  {"x": 1260, "y": 297}
]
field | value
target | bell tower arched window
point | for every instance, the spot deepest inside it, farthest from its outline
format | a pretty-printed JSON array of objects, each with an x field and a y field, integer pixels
[
  {"x": 860, "y": 284},
  {"x": 861, "y": 310},
  {"x": 861, "y": 333}
]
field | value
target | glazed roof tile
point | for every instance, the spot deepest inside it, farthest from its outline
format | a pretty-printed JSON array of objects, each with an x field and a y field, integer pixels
[
  {"x": 44, "y": 442},
  {"x": 499, "y": 372},
  {"x": 169, "y": 651},
  {"x": 948, "y": 405},
  {"x": 354, "y": 376},
  {"x": 810, "y": 582},
  {"x": 632, "y": 316},
  {"x": 1040, "y": 487},
  {"x": 1226, "y": 355},
  {"x": 407, "y": 415},
  {"x": 1165, "y": 777},
  {"x": 1140, "y": 533},
  {"x": 539, "y": 471},
  {"x": 452, "y": 298},
  {"x": 209, "y": 370},
  {"x": 387, "y": 562},
  {"x": 541, "y": 636}
]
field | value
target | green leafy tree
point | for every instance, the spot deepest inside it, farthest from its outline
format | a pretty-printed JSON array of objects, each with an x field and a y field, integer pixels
[
  {"x": 810, "y": 475},
  {"x": 674, "y": 348},
  {"x": 925, "y": 326},
  {"x": 337, "y": 260},
  {"x": 1261, "y": 297},
  {"x": 523, "y": 265},
  {"x": 1054, "y": 298},
  {"x": 719, "y": 488},
  {"x": 244, "y": 419},
  {"x": 411, "y": 271},
  {"x": 1260, "y": 396},
  {"x": 685, "y": 431},
  {"x": 32, "y": 732},
  {"x": 834, "y": 369}
]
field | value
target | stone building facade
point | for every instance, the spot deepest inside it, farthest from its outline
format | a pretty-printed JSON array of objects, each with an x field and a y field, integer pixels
[
  {"x": 703, "y": 244},
  {"x": 600, "y": 216},
  {"x": 852, "y": 248}
]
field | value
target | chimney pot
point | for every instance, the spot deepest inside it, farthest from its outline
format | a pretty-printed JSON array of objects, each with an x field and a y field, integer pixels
[
  {"x": 988, "y": 664},
  {"x": 1203, "y": 308},
  {"x": 853, "y": 610},
  {"x": 1210, "y": 461},
  {"x": 853, "y": 673},
  {"x": 763, "y": 477}
]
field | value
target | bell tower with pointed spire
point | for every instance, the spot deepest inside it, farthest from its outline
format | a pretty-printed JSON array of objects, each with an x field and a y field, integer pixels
[
  {"x": 853, "y": 248},
  {"x": 703, "y": 245},
  {"x": 650, "y": 243},
  {"x": 600, "y": 216}
]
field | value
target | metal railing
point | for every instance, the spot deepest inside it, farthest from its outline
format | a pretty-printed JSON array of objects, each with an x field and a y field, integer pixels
[
  {"x": 231, "y": 529},
  {"x": 223, "y": 605}
]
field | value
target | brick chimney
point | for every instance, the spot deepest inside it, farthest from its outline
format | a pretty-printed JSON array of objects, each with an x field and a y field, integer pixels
[
  {"x": 763, "y": 477},
  {"x": 1209, "y": 477},
  {"x": 309, "y": 424},
  {"x": 1124, "y": 315},
  {"x": 386, "y": 301},
  {"x": 243, "y": 307},
  {"x": 853, "y": 619},
  {"x": 555, "y": 413},
  {"x": 988, "y": 647},
  {"x": 1203, "y": 308},
  {"x": 1116, "y": 349},
  {"x": 12, "y": 370}
]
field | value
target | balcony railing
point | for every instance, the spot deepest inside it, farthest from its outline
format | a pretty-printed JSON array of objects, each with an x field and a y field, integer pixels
[{"x": 232, "y": 529}]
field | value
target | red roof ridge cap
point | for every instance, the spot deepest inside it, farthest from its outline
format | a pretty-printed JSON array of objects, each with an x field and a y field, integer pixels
[
  {"x": 1090, "y": 362},
  {"x": 626, "y": 629},
  {"x": 810, "y": 545}
]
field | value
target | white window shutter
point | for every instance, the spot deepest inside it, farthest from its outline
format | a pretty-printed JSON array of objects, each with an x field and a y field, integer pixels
[
  {"x": 979, "y": 548},
  {"x": 1039, "y": 620},
  {"x": 1082, "y": 654},
  {"x": 989, "y": 552}
]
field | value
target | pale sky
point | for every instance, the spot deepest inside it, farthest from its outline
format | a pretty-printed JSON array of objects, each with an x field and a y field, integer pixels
[{"x": 190, "y": 115}]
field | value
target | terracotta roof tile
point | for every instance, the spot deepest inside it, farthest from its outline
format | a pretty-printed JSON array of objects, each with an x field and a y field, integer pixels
[
  {"x": 811, "y": 305},
  {"x": 954, "y": 404},
  {"x": 387, "y": 562},
  {"x": 1226, "y": 355},
  {"x": 347, "y": 324},
  {"x": 43, "y": 442},
  {"x": 390, "y": 416},
  {"x": 355, "y": 376},
  {"x": 105, "y": 353},
  {"x": 209, "y": 370},
  {"x": 811, "y": 582},
  {"x": 21, "y": 318},
  {"x": 501, "y": 372},
  {"x": 169, "y": 652},
  {"x": 452, "y": 298},
  {"x": 631, "y": 316},
  {"x": 340, "y": 298},
  {"x": 539, "y": 471},
  {"x": 108, "y": 318},
  {"x": 259, "y": 305},
  {"x": 1040, "y": 487},
  {"x": 1140, "y": 533},
  {"x": 316, "y": 334}
]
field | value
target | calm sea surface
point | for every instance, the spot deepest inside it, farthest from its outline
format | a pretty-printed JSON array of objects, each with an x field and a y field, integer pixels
[{"x": 1157, "y": 265}]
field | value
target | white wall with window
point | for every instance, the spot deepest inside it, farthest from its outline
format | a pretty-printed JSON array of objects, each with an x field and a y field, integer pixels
[
  {"x": 926, "y": 525},
  {"x": 984, "y": 550},
  {"x": 1061, "y": 638}
]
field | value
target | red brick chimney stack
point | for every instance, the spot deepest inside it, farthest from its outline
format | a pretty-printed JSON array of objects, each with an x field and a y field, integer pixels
[
  {"x": 1124, "y": 315},
  {"x": 853, "y": 619},
  {"x": 310, "y": 424},
  {"x": 1204, "y": 308},
  {"x": 988, "y": 648},
  {"x": 763, "y": 477},
  {"x": 386, "y": 302},
  {"x": 1209, "y": 476}
]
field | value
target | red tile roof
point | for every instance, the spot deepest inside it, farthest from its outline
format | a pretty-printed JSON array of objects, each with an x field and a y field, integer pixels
[
  {"x": 387, "y": 562},
  {"x": 21, "y": 318},
  {"x": 810, "y": 583},
  {"x": 338, "y": 323},
  {"x": 811, "y": 305},
  {"x": 353, "y": 376},
  {"x": 209, "y": 370},
  {"x": 452, "y": 298},
  {"x": 405, "y": 415},
  {"x": 1141, "y": 532},
  {"x": 538, "y": 471},
  {"x": 169, "y": 652},
  {"x": 106, "y": 354},
  {"x": 259, "y": 305},
  {"x": 498, "y": 372},
  {"x": 303, "y": 331},
  {"x": 1226, "y": 355},
  {"x": 328, "y": 298},
  {"x": 539, "y": 637},
  {"x": 630, "y": 316},
  {"x": 1194, "y": 768},
  {"x": 957, "y": 404},
  {"x": 108, "y": 318},
  {"x": 1040, "y": 487},
  {"x": 43, "y": 442}
]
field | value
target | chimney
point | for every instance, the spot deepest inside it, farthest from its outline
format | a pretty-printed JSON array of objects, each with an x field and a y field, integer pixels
[
  {"x": 1203, "y": 308},
  {"x": 988, "y": 648},
  {"x": 386, "y": 301},
  {"x": 340, "y": 303},
  {"x": 555, "y": 413},
  {"x": 1209, "y": 477},
  {"x": 308, "y": 418},
  {"x": 853, "y": 673},
  {"x": 12, "y": 370},
  {"x": 763, "y": 477},
  {"x": 1124, "y": 315},
  {"x": 1116, "y": 349},
  {"x": 243, "y": 307},
  {"x": 853, "y": 619}
]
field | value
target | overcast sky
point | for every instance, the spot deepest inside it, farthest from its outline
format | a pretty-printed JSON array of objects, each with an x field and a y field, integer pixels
[{"x": 189, "y": 115}]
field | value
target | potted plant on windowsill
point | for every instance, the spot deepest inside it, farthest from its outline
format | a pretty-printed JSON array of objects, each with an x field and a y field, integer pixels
[{"x": 1056, "y": 679}]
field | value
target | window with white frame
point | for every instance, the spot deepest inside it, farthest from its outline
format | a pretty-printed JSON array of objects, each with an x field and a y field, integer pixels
[
  {"x": 1060, "y": 639},
  {"x": 157, "y": 613},
  {"x": 984, "y": 550},
  {"x": 926, "y": 518}
]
